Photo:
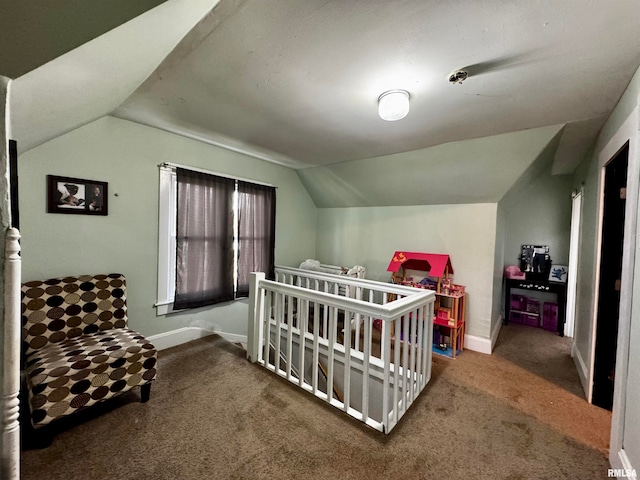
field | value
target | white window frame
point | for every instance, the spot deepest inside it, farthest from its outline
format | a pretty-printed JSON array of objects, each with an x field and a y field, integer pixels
[{"x": 167, "y": 240}]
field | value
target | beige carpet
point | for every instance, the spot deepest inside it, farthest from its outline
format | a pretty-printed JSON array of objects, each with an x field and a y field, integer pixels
[{"x": 517, "y": 414}]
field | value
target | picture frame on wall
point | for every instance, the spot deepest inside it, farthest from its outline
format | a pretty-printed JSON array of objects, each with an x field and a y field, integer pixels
[
  {"x": 76, "y": 196},
  {"x": 558, "y": 273}
]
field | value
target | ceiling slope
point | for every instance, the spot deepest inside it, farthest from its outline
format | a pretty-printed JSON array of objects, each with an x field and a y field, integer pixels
[
  {"x": 301, "y": 79},
  {"x": 93, "y": 79},
  {"x": 470, "y": 171},
  {"x": 33, "y": 32}
]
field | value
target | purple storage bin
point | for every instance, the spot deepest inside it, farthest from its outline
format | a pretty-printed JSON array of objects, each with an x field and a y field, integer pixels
[
  {"x": 550, "y": 317},
  {"x": 517, "y": 317},
  {"x": 533, "y": 306},
  {"x": 518, "y": 302},
  {"x": 532, "y": 320}
]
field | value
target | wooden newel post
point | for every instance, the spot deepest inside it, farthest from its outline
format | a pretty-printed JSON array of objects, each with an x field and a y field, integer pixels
[
  {"x": 254, "y": 326},
  {"x": 11, "y": 379}
]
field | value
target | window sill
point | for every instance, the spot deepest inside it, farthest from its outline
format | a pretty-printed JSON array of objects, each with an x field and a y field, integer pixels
[{"x": 164, "y": 308}]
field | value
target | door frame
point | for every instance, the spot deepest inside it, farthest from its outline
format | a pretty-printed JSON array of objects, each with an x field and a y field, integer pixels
[
  {"x": 628, "y": 132},
  {"x": 574, "y": 264}
]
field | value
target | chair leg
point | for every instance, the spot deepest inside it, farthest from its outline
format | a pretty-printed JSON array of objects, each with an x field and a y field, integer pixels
[
  {"x": 145, "y": 392},
  {"x": 42, "y": 437}
]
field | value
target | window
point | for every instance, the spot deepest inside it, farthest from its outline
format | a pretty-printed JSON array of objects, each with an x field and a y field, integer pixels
[{"x": 213, "y": 232}]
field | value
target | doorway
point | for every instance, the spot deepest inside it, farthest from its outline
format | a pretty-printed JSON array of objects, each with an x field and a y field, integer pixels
[{"x": 615, "y": 182}]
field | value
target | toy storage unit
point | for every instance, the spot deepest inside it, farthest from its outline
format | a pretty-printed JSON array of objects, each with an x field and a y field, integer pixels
[
  {"x": 449, "y": 324},
  {"x": 552, "y": 310},
  {"x": 526, "y": 311},
  {"x": 434, "y": 273},
  {"x": 550, "y": 316}
]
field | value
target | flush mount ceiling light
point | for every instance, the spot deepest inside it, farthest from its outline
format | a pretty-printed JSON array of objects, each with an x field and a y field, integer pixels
[{"x": 393, "y": 105}]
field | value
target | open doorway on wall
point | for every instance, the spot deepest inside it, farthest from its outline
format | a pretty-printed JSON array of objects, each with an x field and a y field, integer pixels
[{"x": 614, "y": 205}]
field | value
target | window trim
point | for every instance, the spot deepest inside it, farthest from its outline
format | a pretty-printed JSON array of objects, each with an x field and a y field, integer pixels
[
  {"x": 166, "y": 239},
  {"x": 168, "y": 193}
]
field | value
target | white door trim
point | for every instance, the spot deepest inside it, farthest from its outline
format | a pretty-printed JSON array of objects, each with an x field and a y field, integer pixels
[
  {"x": 628, "y": 132},
  {"x": 574, "y": 260}
]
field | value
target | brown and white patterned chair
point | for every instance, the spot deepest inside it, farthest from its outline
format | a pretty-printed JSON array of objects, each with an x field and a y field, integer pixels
[{"x": 76, "y": 345}]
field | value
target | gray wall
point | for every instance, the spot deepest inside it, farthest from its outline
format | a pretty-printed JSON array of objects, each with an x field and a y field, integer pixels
[
  {"x": 588, "y": 175},
  {"x": 369, "y": 236},
  {"x": 498, "y": 274},
  {"x": 479, "y": 170},
  {"x": 537, "y": 210},
  {"x": 126, "y": 155}
]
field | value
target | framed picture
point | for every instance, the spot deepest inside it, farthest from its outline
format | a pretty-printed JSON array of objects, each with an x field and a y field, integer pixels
[
  {"x": 76, "y": 196},
  {"x": 558, "y": 273}
]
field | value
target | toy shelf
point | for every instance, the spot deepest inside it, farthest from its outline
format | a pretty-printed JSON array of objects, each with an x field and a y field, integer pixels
[
  {"x": 448, "y": 352},
  {"x": 455, "y": 342},
  {"x": 433, "y": 272}
]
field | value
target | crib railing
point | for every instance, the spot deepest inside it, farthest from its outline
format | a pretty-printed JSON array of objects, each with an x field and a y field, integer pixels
[
  {"x": 343, "y": 285},
  {"x": 374, "y": 341}
]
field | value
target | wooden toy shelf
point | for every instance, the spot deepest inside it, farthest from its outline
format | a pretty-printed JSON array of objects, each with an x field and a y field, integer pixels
[
  {"x": 449, "y": 322},
  {"x": 449, "y": 308}
]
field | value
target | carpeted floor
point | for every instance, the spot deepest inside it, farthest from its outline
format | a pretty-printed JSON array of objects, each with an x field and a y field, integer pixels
[{"x": 516, "y": 414}]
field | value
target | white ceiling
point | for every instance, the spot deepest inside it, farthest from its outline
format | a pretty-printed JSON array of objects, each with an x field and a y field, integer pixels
[{"x": 297, "y": 82}]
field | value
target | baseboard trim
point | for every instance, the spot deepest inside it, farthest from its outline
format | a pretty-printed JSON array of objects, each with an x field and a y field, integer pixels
[
  {"x": 495, "y": 332},
  {"x": 477, "y": 344},
  {"x": 232, "y": 337},
  {"x": 620, "y": 461},
  {"x": 581, "y": 366},
  {"x": 177, "y": 337}
]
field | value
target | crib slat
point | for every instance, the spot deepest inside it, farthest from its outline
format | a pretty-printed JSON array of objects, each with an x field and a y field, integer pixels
[
  {"x": 412, "y": 359},
  {"x": 347, "y": 361},
  {"x": 333, "y": 320},
  {"x": 303, "y": 314},
  {"x": 325, "y": 314},
  {"x": 419, "y": 345},
  {"x": 396, "y": 367},
  {"x": 289, "y": 335},
  {"x": 261, "y": 321},
  {"x": 406, "y": 345},
  {"x": 366, "y": 373},
  {"x": 386, "y": 353},
  {"x": 278, "y": 313},
  {"x": 426, "y": 367},
  {"x": 316, "y": 358},
  {"x": 267, "y": 330}
]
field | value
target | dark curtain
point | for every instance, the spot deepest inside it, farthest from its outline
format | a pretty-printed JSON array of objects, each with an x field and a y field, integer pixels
[
  {"x": 256, "y": 232},
  {"x": 204, "y": 257}
]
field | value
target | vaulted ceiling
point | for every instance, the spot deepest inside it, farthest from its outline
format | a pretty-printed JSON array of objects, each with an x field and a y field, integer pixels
[{"x": 297, "y": 82}]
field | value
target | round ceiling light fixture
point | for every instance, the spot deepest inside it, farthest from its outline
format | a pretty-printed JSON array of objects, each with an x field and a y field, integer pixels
[{"x": 393, "y": 105}]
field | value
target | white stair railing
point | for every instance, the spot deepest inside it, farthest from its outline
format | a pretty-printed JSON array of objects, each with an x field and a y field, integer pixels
[
  {"x": 12, "y": 340},
  {"x": 379, "y": 372}
]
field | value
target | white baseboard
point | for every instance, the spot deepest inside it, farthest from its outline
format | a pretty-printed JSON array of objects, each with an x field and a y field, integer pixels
[
  {"x": 620, "y": 461},
  {"x": 477, "y": 344},
  {"x": 178, "y": 337},
  {"x": 481, "y": 344},
  {"x": 232, "y": 337},
  {"x": 581, "y": 366}
]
